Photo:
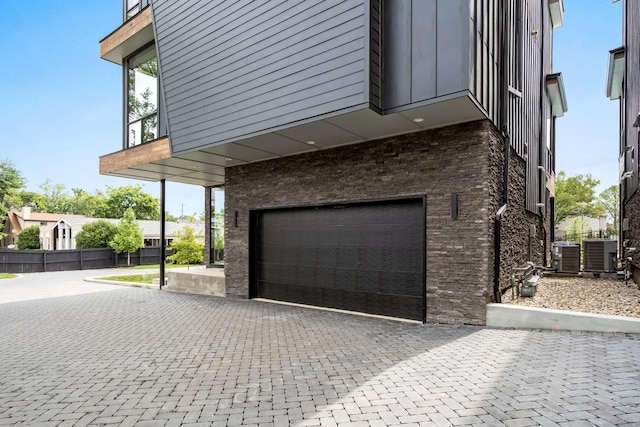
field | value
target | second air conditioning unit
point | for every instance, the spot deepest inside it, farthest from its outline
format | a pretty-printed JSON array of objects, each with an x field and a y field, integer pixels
[{"x": 600, "y": 255}]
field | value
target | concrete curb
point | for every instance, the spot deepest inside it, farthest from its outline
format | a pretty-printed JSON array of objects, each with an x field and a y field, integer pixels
[
  {"x": 119, "y": 283},
  {"x": 519, "y": 317}
]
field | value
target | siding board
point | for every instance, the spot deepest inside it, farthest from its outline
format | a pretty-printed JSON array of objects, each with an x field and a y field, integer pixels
[
  {"x": 243, "y": 102},
  {"x": 210, "y": 80},
  {"x": 267, "y": 77}
]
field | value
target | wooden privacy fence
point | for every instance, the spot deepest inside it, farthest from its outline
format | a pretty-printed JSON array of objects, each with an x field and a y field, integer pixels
[{"x": 15, "y": 261}]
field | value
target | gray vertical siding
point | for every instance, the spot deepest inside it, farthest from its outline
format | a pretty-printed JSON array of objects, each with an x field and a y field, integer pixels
[
  {"x": 631, "y": 100},
  {"x": 531, "y": 42},
  {"x": 484, "y": 55},
  {"x": 235, "y": 68},
  {"x": 426, "y": 50},
  {"x": 375, "y": 55}
]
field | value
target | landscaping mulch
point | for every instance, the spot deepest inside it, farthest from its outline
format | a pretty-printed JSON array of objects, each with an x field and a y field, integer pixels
[{"x": 589, "y": 295}]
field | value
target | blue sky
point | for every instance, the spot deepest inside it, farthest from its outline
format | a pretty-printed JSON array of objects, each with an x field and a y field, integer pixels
[{"x": 61, "y": 104}]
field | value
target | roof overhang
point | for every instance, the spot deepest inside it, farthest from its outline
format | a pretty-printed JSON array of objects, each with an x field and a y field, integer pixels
[
  {"x": 155, "y": 160},
  {"x": 557, "y": 97},
  {"x": 556, "y": 7},
  {"x": 615, "y": 75},
  {"x": 129, "y": 37}
]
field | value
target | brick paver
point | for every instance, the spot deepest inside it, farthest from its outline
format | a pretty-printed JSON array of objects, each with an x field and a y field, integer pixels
[{"x": 76, "y": 354}]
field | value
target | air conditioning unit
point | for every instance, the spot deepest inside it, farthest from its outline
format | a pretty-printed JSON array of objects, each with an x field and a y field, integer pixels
[
  {"x": 600, "y": 255},
  {"x": 566, "y": 257}
]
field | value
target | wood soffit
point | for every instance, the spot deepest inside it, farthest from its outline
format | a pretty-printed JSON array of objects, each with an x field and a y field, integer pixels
[{"x": 129, "y": 37}]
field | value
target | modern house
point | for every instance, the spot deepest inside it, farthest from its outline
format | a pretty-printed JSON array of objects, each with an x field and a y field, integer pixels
[
  {"x": 623, "y": 83},
  {"x": 394, "y": 158}
]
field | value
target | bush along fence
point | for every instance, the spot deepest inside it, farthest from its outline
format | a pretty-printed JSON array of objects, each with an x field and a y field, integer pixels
[{"x": 13, "y": 261}]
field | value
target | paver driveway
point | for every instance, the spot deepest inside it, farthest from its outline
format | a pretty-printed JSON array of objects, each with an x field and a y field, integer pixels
[{"x": 76, "y": 353}]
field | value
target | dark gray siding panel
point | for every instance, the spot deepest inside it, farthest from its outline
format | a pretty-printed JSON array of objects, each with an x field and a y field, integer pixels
[
  {"x": 235, "y": 68},
  {"x": 426, "y": 50},
  {"x": 423, "y": 49},
  {"x": 375, "y": 55},
  {"x": 453, "y": 46},
  {"x": 397, "y": 53}
]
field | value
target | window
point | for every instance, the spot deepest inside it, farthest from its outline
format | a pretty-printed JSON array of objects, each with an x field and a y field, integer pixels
[
  {"x": 142, "y": 97},
  {"x": 133, "y": 7}
]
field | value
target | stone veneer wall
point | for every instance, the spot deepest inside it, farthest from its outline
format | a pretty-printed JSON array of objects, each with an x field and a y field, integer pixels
[
  {"x": 632, "y": 211},
  {"x": 516, "y": 246},
  {"x": 434, "y": 163}
]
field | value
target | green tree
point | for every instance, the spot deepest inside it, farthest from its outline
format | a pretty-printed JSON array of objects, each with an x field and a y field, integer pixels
[
  {"x": 29, "y": 238},
  {"x": 96, "y": 234},
  {"x": 22, "y": 198},
  {"x": 575, "y": 195},
  {"x": 186, "y": 250},
  {"x": 55, "y": 197},
  {"x": 128, "y": 237},
  {"x": 170, "y": 218},
  {"x": 10, "y": 182},
  {"x": 610, "y": 202},
  {"x": 119, "y": 199},
  {"x": 81, "y": 202}
]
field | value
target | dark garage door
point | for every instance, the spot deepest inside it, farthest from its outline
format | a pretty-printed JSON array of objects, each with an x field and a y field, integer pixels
[{"x": 366, "y": 257}]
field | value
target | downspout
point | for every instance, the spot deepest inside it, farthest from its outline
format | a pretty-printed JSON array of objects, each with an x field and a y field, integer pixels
[{"x": 504, "y": 95}]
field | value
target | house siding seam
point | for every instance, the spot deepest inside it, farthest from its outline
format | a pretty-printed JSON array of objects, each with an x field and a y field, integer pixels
[{"x": 459, "y": 254}]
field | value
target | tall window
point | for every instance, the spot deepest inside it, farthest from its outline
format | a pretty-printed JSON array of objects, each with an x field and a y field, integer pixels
[{"x": 142, "y": 97}]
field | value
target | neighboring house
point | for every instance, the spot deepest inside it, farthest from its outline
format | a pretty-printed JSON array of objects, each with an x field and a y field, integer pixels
[
  {"x": 19, "y": 220},
  {"x": 64, "y": 231},
  {"x": 389, "y": 157},
  {"x": 623, "y": 83},
  {"x": 595, "y": 226}
]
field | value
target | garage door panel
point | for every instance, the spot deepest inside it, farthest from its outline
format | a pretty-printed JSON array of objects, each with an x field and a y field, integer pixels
[
  {"x": 401, "y": 306},
  {"x": 361, "y": 257}
]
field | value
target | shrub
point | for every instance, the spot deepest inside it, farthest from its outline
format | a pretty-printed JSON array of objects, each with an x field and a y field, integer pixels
[
  {"x": 29, "y": 238},
  {"x": 96, "y": 235},
  {"x": 186, "y": 250}
]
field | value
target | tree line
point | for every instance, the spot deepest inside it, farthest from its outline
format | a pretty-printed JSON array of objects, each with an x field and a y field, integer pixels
[
  {"x": 126, "y": 203},
  {"x": 55, "y": 198}
]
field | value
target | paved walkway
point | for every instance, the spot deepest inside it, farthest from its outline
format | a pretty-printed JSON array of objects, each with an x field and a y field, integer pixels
[{"x": 76, "y": 353}]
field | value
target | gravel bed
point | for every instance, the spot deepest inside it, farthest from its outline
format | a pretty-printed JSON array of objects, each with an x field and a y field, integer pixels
[{"x": 589, "y": 295}]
